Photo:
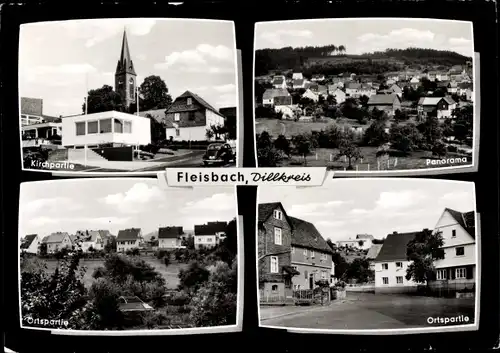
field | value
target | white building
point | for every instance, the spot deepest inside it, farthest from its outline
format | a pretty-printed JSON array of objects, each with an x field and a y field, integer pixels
[
  {"x": 311, "y": 95},
  {"x": 170, "y": 238},
  {"x": 128, "y": 239},
  {"x": 297, "y": 76},
  {"x": 362, "y": 242},
  {"x": 271, "y": 93},
  {"x": 189, "y": 117},
  {"x": 30, "y": 244},
  {"x": 209, "y": 235},
  {"x": 391, "y": 264},
  {"x": 458, "y": 232},
  {"x": 279, "y": 81},
  {"x": 57, "y": 241},
  {"x": 115, "y": 128},
  {"x": 339, "y": 95},
  {"x": 91, "y": 239}
]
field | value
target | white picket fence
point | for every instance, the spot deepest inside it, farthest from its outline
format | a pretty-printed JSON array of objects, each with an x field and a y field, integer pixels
[{"x": 382, "y": 164}]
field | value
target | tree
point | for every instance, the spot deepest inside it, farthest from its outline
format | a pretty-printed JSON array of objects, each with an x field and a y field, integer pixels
[
  {"x": 400, "y": 115},
  {"x": 43, "y": 249},
  {"x": 375, "y": 134},
  {"x": 422, "y": 251},
  {"x": 192, "y": 278},
  {"x": 349, "y": 149},
  {"x": 154, "y": 94},
  {"x": 102, "y": 100},
  {"x": 430, "y": 130},
  {"x": 404, "y": 138},
  {"x": 463, "y": 117},
  {"x": 267, "y": 154},
  {"x": 188, "y": 242},
  {"x": 359, "y": 270},
  {"x": 341, "y": 265},
  {"x": 439, "y": 149},
  {"x": 158, "y": 132},
  {"x": 214, "y": 304},
  {"x": 218, "y": 131},
  {"x": 56, "y": 296},
  {"x": 282, "y": 144},
  {"x": 110, "y": 245},
  {"x": 304, "y": 144}
]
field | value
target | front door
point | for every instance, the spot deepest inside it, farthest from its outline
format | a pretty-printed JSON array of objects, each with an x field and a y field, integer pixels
[{"x": 311, "y": 281}]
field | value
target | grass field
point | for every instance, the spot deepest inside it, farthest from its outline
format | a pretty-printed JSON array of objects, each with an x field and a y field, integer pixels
[
  {"x": 416, "y": 160},
  {"x": 169, "y": 273},
  {"x": 324, "y": 157}
]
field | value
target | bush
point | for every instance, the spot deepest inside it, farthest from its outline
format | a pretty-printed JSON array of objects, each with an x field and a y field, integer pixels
[
  {"x": 179, "y": 298},
  {"x": 161, "y": 254},
  {"x": 212, "y": 305},
  {"x": 166, "y": 261},
  {"x": 452, "y": 149},
  {"x": 152, "y": 320}
]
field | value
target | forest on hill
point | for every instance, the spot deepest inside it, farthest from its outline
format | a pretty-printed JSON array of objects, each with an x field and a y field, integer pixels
[{"x": 331, "y": 60}]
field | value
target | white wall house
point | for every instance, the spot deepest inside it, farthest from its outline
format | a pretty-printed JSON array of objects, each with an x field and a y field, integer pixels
[
  {"x": 311, "y": 95},
  {"x": 170, "y": 237},
  {"x": 209, "y": 235},
  {"x": 31, "y": 244},
  {"x": 189, "y": 117},
  {"x": 297, "y": 76},
  {"x": 271, "y": 93},
  {"x": 94, "y": 241},
  {"x": 339, "y": 95},
  {"x": 391, "y": 264},
  {"x": 177, "y": 132},
  {"x": 113, "y": 127},
  {"x": 458, "y": 232},
  {"x": 128, "y": 239},
  {"x": 57, "y": 241}
]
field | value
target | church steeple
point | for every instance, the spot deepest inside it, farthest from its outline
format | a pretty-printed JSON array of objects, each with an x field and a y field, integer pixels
[
  {"x": 125, "y": 64},
  {"x": 125, "y": 76}
]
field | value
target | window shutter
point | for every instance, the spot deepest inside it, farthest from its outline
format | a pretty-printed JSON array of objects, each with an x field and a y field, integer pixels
[
  {"x": 305, "y": 274},
  {"x": 453, "y": 273},
  {"x": 469, "y": 272}
]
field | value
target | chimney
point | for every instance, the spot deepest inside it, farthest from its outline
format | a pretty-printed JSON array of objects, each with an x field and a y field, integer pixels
[{"x": 394, "y": 232}]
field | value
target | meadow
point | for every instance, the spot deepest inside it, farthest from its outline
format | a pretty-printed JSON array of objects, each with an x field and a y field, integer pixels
[{"x": 170, "y": 273}]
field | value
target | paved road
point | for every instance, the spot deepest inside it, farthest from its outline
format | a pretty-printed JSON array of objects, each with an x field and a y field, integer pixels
[{"x": 368, "y": 311}]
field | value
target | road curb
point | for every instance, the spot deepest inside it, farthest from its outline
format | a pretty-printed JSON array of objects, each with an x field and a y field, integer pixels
[{"x": 292, "y": 313}]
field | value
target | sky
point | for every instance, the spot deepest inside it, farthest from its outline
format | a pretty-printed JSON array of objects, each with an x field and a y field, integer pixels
[
  {"x": 57, "y": 59},
  {"x": 114, "y": 204},
  {"x": 368, "y": 35},
  {"x": 348, "y": 207}
]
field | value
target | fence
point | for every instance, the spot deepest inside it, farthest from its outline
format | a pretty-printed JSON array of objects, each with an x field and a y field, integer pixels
[
  {"x": 271, "y": 298},
  {"x": 439, "y": 289},
  {"x": 381, "y": 164},
  {"x": 365, "y": 288}
]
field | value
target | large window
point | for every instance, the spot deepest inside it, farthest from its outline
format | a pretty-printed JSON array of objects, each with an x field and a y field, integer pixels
[
  {"x": 127, "y": 127},
  {"x": 277, "y": 236},
  {"x": 92, "y": 127},
  {"x": 80, "y": 128},
  {"x": 385, "y": 266},
  {"x": 177, "y": 116},
  {"x": 460, "y": 273},
  {"x": 118, "y": 126},
  {"x": 385, "y": 280},
  {"x": 441, "y": 275},
  {"x": 105, "y": 126},
  {"x": 399, "y": 279},
  {"x": 278, "y": 215},
  {"x": 399, "y": 265},
  {"x": 274, "y": 264}
]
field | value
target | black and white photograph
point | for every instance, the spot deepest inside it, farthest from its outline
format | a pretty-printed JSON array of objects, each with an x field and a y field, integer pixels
[
  {"x": 371, "y": 255},
  {"x": 128, "y": 95},
  {"x": 365, "y": 94},
  {"x": 125, "y": 255}
]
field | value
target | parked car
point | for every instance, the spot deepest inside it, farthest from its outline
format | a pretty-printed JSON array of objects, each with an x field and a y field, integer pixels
[{"x": 219, "y": 153}]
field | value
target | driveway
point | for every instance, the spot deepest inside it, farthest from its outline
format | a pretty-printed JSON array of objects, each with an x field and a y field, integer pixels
[{"x": 363, "y": 311}]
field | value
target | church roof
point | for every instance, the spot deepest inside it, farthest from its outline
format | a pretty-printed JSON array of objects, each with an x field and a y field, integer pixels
[{"x": 125, "y": 64}]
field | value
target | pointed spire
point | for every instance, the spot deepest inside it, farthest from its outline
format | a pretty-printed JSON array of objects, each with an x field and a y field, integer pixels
[{"x": 125, "y": 63}]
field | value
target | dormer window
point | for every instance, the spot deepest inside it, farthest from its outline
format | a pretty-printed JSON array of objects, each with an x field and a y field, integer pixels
[
  {"x": 278, "y": 215},
  {"x": 190, "y": 101}
]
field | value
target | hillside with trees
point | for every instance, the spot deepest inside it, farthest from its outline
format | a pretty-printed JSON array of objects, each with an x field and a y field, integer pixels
[{"x": 329, "y": 60}]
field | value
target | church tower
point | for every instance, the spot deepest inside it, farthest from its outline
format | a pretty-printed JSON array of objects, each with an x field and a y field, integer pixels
[{"x": 125, "y": 76}]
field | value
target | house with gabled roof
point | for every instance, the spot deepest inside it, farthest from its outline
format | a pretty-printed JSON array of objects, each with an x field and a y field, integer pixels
[
  {"x": 465, "y": 89},
  {"x": 311, "y": 255},
  {"x": 310, "y": 95},
  {"x": 31, "y": 244},
  {"x": 442, "y": 106},
  {"x": 292, "y": 254},
  {"x": 458, "y": 267},
  {"x": 391, "y": 264},
  {"x": 57, "y": 241},
  {"x": 318, "y": 78},
  {"x": 271, "y": 93},
  {"x": 209, "y": 235},
  {"x": 388, "y": 103},
  {"x": 274, "y": 251},
  {"x": 279, "y": 81},
  {"x": 189, "y": 117},
  {"x": 285, "y": 106},
  {"x": 372, "y": 254},
  {"x": 170, "y": 237},
  {"x": 128, "y": 239},
  {"x": 299, "y": 83},
  {"x": 297, "y": 76}
]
